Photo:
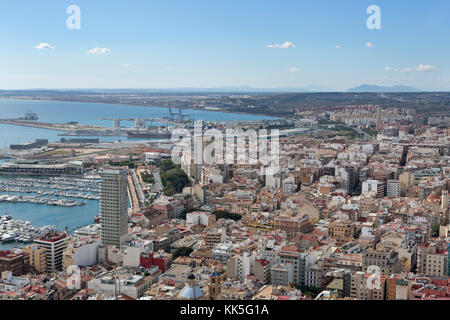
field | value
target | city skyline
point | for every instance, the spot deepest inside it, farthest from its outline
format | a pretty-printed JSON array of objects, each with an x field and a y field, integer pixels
[
  {"x": 322, "y": 45},
  {"x": 224, "y": 156}
]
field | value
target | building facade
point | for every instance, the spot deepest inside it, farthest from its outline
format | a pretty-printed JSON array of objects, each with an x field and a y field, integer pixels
[
  {"x": 54, "y": 245},
  {"x": 114, "y": 207}
]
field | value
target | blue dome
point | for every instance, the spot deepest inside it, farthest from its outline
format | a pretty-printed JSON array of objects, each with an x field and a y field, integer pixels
[
  {"x": 191, "y": 293},
  {"x": 191, "y": 277},
  {"x": 215, "y": 273}
]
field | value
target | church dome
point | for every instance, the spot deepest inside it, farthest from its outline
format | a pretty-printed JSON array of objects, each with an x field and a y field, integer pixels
[
  {"x": 215, "y": 273},
  {"x": 191, "y": 293},
  {"x": 191, "y": 277}
]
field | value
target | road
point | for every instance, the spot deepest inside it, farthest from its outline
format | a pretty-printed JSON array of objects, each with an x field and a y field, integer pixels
[
  {"x": 132, "y": 193},
  {"x": 158, "y": 182},
  {"x": 359, "y": 131},
  {"x": 138, "y": 187}
]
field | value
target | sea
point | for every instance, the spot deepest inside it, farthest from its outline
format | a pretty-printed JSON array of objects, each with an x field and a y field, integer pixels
[
  {"x": 89, "y": 113},
  {"x": 83, "y": 113}
]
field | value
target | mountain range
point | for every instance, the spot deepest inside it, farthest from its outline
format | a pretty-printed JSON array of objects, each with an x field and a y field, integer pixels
[
  {"x": 375, "y": 88},
  {"x": 369, "y": 88}
]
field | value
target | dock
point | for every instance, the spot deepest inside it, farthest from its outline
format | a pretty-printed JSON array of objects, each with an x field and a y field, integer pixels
[{"x": 63, "y": 127}]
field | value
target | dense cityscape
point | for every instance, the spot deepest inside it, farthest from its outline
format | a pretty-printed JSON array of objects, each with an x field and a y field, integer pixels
[
  {"x": 358, "y": 209},
  {"x": 224, "y": 159}
]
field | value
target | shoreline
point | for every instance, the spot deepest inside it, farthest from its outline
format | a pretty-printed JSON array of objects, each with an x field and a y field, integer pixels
[{"x": 149, "y": 106}]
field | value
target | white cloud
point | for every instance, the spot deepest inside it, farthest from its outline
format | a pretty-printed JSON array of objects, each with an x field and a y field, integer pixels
[
  {"x": 370, "y": 45},
  {"x": 338, "y": 47},
  {"x": 44, "y": 46},
  {"x": 125, "y": 65},
  {"x": 285, "y": 45},
  {"x": 98, "y": 50},
  {"x": 422, "y": 68},
  {"x": 419, "y": 68},
  {"x": 293, "y": 69}
]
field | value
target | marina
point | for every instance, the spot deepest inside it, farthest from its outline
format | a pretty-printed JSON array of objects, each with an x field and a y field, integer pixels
[
  {"x": 46, "y": 201},
  {"x": 20, "y": 231},
  {"x": 56, "y": 191},
  {"x": 64, "y": 202},
  {"x": 72, "y": 202}
]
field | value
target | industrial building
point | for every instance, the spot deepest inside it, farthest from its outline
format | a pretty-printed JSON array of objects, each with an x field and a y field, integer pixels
[{"x": 36, "y": 168}]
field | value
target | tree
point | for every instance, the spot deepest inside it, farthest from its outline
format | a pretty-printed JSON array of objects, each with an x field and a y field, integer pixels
[
  {"x": 147, "y": 178},
  {"x": 435, "y": 231},
  {"x": 173, "y": 178},
  {"x": 262, "y": 181},
  {"x": 222, "y": 214},
  {"x": 182, "y": 252},
  {"x": 183, "y": 215},
  {"x": 167, "y": 165}
]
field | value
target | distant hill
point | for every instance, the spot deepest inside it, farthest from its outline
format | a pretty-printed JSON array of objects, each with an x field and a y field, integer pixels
[
  {"x": 230, "y": 89},
  {"x": 314, "y": 88},
  {"x": 249, "y": 89},
  {"x": 375, "y": 88}
]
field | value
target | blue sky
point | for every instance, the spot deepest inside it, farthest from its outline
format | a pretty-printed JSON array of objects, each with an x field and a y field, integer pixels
[{"x": 212, "y": 43}]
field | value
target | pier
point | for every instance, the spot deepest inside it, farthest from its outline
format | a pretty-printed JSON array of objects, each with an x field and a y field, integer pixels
[
  {"x": 20, "y": 231},
  {"x": 69, "y": 128}
]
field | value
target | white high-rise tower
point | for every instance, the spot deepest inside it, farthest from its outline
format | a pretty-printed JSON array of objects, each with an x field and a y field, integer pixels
[{"x": 113, "y": 207}]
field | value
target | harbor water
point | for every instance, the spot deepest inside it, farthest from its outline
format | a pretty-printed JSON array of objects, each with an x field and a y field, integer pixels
[
  {"x": 73, "y": 217},
  {"x": 90, "y": 114}
]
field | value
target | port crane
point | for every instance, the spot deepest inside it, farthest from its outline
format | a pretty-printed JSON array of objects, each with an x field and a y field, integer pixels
[
  {"x": 181, "y": 115},
  {"x": 171, "y": 113},
  {"x": 139, "y": 123}
]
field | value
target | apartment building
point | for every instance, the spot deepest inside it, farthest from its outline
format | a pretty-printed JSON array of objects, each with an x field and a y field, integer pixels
[
  {"x": 81, "y": 253},
  {"x": 363, "y": 288},
  {"x": 398, "y": 288},
  {"x": 214, "y": 237},
  {"x": 298, "y": 261},
  {"x": 385, "y": 258},
  {"x": 114, "y": 207},
  {"x": 38, "y": 257},
  {"x": 262, "y": 270},
  {"x": 17, "y": 262},
  {"x": 349, "y": 179},
  {"x": 433, "y": 259},
  {"x": 282, "y": 274},
  {"x": 293, "y": 225},
  {"x": 54, "y": 245},
  {"x": 407, "y": 180},
  {"x": 373, "y": 186},
  {"x": 393, "y": 189},
  {"x": 437, "y": 264},
  {"x": 342, "y": 231},
  {"x": 240, "y": 266},
  {"x": 124, "y": 280}
]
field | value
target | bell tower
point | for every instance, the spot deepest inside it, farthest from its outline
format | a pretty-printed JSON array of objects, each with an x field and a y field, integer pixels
[
  {"x": 214, "y": 287},
  {"x": 444, "y": 199}
]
